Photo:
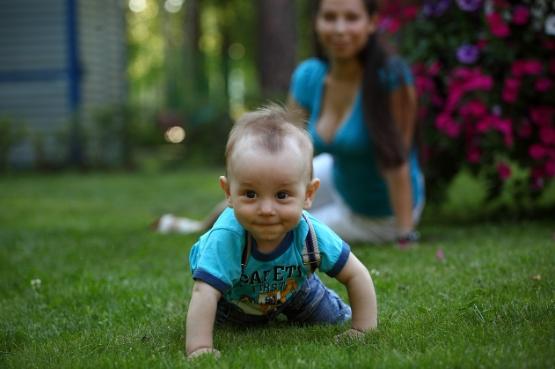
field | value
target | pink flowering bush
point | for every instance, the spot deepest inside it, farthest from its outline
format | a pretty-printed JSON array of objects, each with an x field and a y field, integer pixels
[{"x": 485, "y": 75}]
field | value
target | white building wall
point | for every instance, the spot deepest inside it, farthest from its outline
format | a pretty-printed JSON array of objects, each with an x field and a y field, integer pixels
[
  {"x": 33, "y": 78},
  {"x": 35, "y": 73}
]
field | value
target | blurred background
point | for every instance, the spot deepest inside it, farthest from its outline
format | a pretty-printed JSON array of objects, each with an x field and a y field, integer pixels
[{"x": 154, "y": 85}]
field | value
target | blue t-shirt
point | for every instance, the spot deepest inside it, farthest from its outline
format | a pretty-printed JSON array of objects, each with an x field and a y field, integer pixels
[
  {"x": 268, "y": 280},
  {"x": 355, "y": 172}
]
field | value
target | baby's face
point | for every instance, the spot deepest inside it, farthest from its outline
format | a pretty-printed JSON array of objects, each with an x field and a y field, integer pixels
[{"x": 268, "y": 192}]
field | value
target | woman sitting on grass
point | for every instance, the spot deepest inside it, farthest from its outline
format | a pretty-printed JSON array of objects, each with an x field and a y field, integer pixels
[{"x": 361, "y": 108}]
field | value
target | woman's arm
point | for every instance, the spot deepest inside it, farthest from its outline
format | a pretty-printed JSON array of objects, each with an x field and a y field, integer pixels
[
  {"x": 403, "y": 105},
  {"x": 404, "y": 109},
  {"x": 400, "y": 197},
  {"x": 200, "y": 319}
]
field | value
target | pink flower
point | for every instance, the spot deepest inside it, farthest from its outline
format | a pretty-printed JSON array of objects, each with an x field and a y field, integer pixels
[
  {"x": 525, "y": 130},
  {"x": 494, "y": 122},
  {"x": 481, "y": 43},
  {"x": 474, "y": 155},
  {"x": 542, "y": 114},
  {"x": 513, "y": 83},
  {"x": 510, "y": 90},
  {"x": 446, "y": 124},
  {"x": 503, "y": 4},
  {"x": 422, "y": 112},
  {"x": 410, "y": 12},
  {"x": 521, "y": 15},
  {"x": 473, "y": 108},
  {"x": 463, "y": 73},
  {"x": 549, "y": 44},
  {"x": 442, "y": 121},
  {"x": 418, "y": 68},
  {"x": 551, "y": 66},
  {"x": 439, "y": 255},
  {"x": 435, "y": 68},
  {"x": 509, "y": 96},
  {"x": 482, "y": 82},
  {"x": 517, "y": 68},
  {"x": 533, "y": 67},
  {"x": 485, "y": 124},
  {"x": 547, "y": 135},
  {"x": 497, "y": 26},
  {"x": 503, "y": 125},
  {"x": 390, "y": 24},
  {"x": 455, "y": 94},
  {"x": 423, "y": 84},
  {"x": 537, "y": 174},
  {"x": 537, "y": 152},
  {"x": 452, "y": 129},
  {"x": 437, "y": 99},
  {"x": 508, "y": 140},
  {"x": 543, "y": 84},
  {"x": 465, "y": 80},
  {"x": 549, "y": 169},
  {"x": 520, "y": 68},
  {"x": 503, "y": 171}
]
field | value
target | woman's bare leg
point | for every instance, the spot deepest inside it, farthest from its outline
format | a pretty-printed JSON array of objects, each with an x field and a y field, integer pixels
[
  {"x": 214, "y": 214},
  {"x": 171, "y": 223}
]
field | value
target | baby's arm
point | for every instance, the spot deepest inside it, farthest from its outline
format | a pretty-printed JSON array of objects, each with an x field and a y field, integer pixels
[
  {"x": 200, "y": 319},
  {"x": 362, "y": 296}
]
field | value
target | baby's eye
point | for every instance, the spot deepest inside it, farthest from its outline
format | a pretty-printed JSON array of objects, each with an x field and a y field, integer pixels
[
  {"x": 250, "y": 194},
  {"x": 282, "y": 195}
]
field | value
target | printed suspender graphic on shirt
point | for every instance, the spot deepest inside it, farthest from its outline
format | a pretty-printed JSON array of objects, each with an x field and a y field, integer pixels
[
  {"x": 311, "y": 254},
  {"x": 246, "y": 251}
]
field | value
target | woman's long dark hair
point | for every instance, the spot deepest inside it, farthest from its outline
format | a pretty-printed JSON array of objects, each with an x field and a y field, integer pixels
[{"x": 387, "y": 142}]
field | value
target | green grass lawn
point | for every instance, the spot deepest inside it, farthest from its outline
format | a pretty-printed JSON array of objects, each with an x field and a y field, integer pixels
[{"x": 114, "y": 294}]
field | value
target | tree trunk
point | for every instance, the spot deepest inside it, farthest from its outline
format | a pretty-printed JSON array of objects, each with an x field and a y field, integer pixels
[
  {"x": 196, "y": 86},
  {"x": 276, "y": 45}
]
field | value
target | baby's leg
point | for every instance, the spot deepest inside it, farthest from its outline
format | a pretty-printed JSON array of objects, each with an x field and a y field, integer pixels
[{"x": 315, "y": 303}]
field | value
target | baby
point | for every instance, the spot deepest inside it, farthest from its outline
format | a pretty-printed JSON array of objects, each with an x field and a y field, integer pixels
[{"x": 257, "y": 261}]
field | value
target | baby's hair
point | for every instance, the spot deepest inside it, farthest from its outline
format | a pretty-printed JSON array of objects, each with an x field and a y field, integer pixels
[{"x": 270, "y": 126}]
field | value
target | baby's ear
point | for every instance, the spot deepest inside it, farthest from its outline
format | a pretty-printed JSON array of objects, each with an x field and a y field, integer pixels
[
  {"x": 224, "y": 183},
  {"x": 311, "y": 189}
]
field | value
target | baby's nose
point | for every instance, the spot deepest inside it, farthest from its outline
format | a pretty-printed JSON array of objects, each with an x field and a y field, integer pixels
[{"x": 266, "y": 206}]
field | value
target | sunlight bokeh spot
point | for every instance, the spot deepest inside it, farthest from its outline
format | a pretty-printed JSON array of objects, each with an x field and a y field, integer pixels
[
  {"x": 175, "y": 134},
  {"x": 173, "y": 6},
  {"x": 236, "y": 51},
  {"x": 137, "y": 5},
  {"x": 176, "y": 2}
]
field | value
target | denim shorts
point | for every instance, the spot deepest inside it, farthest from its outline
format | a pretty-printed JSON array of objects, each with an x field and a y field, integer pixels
[{"x": 314, "y": 303}]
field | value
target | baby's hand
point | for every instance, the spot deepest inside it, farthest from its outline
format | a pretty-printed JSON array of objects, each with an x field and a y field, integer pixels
[
  {"x": 349, "y": 334},
  {"x": 203, "y": 351}
]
